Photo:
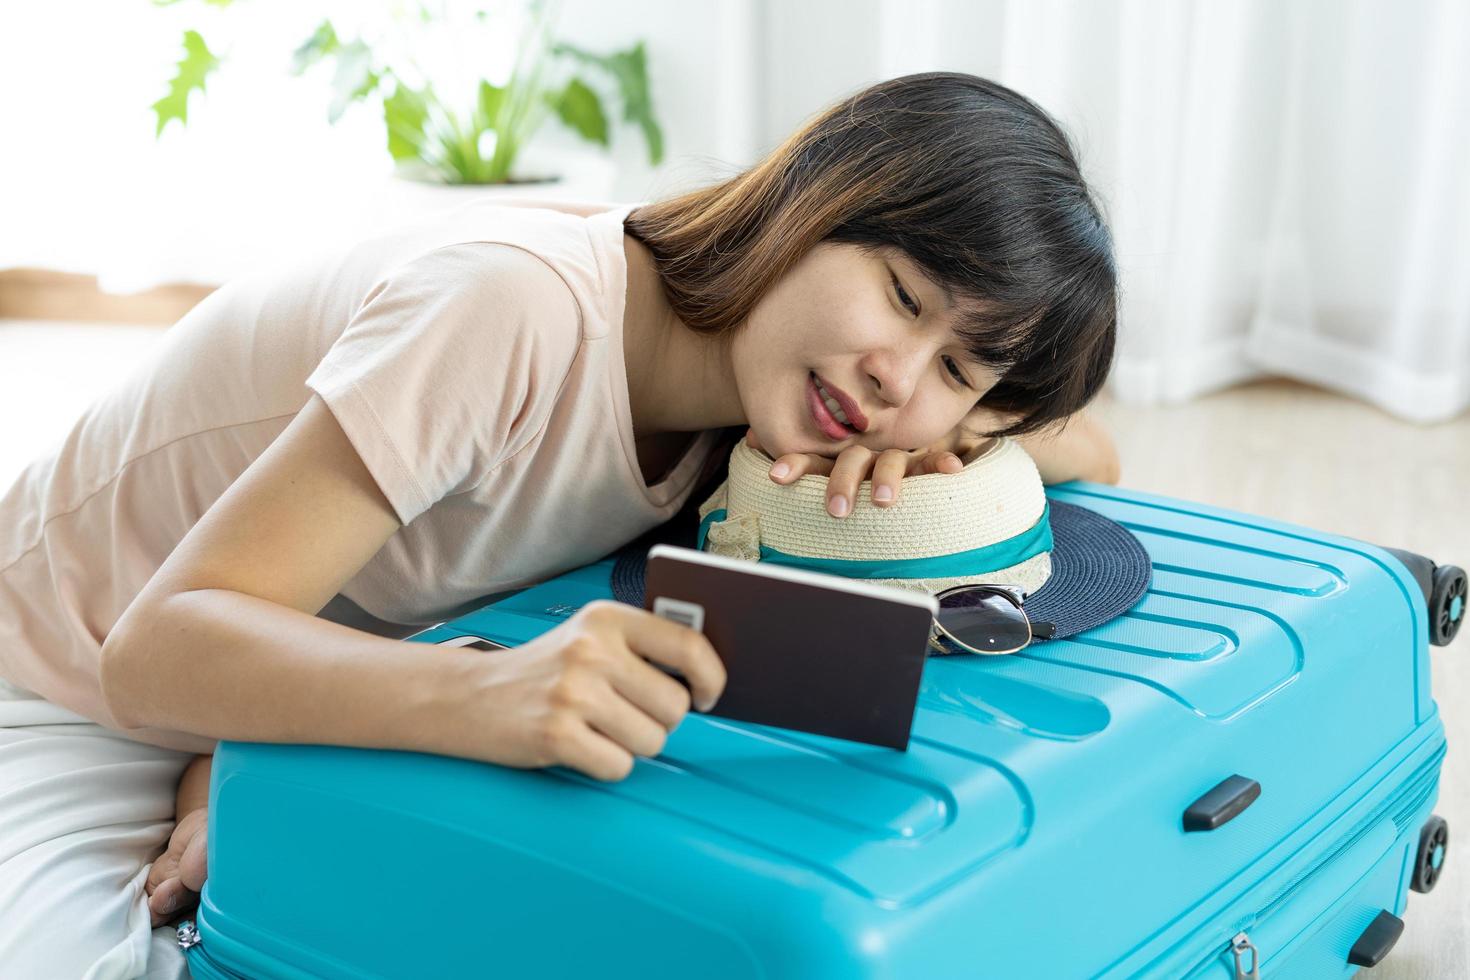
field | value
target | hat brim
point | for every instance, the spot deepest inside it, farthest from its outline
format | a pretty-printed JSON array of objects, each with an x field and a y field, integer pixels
[{"x": 1099, "y": 569}]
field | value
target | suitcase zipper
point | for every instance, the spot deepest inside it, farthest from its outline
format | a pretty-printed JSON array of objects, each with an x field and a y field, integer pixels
[
  {"x": 1415, "y": 790},
  {"x": 1238, "y": 946},
  {"x": 189, "y": 940},
  {"x": 187, "y": 934}
]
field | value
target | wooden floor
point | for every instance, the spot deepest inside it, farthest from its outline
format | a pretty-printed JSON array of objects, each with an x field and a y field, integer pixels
[{"x": 1278, "y": 449}]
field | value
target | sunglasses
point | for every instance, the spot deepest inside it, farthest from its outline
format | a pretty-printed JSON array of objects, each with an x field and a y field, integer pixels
[{"x": 983, "y": 619}]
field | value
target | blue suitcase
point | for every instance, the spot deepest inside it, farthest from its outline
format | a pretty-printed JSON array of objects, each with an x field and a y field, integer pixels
[{"x": 1235, "y": 778}]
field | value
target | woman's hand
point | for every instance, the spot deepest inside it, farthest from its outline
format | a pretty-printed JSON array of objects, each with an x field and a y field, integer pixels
[
  {"x": 177, "y": 876},
  {"x": 854, "y": 464},
  {"x": 591, "y": 693}
]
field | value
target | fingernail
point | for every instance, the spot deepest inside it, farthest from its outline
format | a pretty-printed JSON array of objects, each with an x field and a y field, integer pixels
[
  {"x": 780, "y": 470},
  {"x": 839, "y": 505},
  {"x": 169, "y": 904},
  {"x": 883, "y": 493}
]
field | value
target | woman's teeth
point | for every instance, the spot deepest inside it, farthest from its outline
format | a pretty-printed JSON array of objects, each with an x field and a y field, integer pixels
[{"x": 833, "y": 405}]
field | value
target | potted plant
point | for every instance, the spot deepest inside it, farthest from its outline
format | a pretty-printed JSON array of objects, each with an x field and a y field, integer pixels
[{"x": 433, "y": 138}]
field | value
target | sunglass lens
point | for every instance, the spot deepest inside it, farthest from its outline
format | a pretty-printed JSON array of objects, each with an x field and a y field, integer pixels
[{"x": 984, "y": 620}]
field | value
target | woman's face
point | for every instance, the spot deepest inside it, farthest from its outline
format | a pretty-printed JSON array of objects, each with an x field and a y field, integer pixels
[{"x": 891, "y": 346}]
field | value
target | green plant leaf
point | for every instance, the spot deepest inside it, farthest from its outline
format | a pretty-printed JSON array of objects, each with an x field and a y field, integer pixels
[
  {"x": 458, "y": 155},
  {"x": 197, "y": 63},
  {"x": 404, "y": 113},
  {"x": 580, "y": 108},
  {"x": 322, "y": 42},
  {"x": 354, "y": 77},
  {"x": 629, "y": 69},
  {"x": 487, "y": 107}
]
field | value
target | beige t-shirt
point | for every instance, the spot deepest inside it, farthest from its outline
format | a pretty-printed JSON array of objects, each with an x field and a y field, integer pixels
[{"x": 474, "y": 358}]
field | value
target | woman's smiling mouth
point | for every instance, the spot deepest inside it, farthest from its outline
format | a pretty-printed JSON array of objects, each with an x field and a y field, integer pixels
[{"x": 826, "y": 411}]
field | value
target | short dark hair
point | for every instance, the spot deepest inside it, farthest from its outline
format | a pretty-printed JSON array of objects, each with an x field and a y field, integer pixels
[{"x": 971, "y": 180}]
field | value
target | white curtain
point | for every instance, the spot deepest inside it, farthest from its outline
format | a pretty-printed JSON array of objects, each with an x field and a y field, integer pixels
[
  {"x": 1288, "y": 181},
  {"x": 1289, "y": 185}
]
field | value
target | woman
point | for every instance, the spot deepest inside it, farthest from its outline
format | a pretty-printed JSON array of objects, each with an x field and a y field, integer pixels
[{"x": 324, "y": 459}]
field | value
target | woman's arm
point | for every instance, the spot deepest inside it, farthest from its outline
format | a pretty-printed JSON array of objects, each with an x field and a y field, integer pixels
[
  {"x": 177, "y": 875},
  {"x": 193, "y": 786},
  {"x": 223, "y": 641},
  {"x": 1083, "y": 450}
]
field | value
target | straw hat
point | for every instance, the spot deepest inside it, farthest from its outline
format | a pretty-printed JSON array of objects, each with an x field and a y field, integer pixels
[{"x": 989, "y": 523}]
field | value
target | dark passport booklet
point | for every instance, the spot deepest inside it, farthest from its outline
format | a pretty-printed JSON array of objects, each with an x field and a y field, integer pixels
[{"x": 802, "y": 650}]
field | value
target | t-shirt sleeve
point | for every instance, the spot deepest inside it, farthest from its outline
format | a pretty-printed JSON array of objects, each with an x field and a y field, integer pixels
[{"x": 451, "y": 365}]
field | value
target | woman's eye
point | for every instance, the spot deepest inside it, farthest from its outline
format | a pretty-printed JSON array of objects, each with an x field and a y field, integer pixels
[
  {"x": 913, "y": 307},
  {"x": 956, "y": 372},
  {"x": 904, "y": 298}
]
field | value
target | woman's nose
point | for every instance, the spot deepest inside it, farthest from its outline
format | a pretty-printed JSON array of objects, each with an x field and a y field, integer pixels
[{"x": 894, "y": 374}]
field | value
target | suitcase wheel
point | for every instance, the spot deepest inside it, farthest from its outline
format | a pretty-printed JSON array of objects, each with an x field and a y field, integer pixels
[
  {"x": 1434, "y": 841},
  {"x": 1447, "y": 602}
]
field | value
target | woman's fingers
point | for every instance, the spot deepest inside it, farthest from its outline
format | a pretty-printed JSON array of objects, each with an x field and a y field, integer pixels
[
  {"x": 940, "y": 463},
  {"x": 632, "y": 634},
  {"x": 857, "y": 464},
  {"x": 177, "y": 875},
  {"x": 169, "y": 900},
  {"x": 888, "y": 472},
  {"x": 793, "y": 466},
  {"x": 166, "y": 866},
  {"x": 579, "y": 746},
  {"x": 653, "y": 691},
  {"x": 852, "y": 468},
  {"x": 193, "y": 865},
  {"x": 160, "y": 903},
  {"x": 612, "y": 714}
]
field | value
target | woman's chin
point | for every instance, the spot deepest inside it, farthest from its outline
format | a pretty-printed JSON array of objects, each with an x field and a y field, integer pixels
[{"x": 754, "y": 441}]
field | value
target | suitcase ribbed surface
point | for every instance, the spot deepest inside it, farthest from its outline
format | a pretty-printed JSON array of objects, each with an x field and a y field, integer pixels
[{"x": 1041, "y": 797}]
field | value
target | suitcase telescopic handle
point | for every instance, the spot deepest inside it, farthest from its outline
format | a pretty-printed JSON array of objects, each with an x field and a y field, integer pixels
[{"x": 1222, "y": 804}]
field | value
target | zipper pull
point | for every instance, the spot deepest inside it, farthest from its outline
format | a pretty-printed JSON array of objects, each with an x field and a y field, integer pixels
[
  {"x": 187, "y": 935},
  {"x": 1238, "y": 946}
]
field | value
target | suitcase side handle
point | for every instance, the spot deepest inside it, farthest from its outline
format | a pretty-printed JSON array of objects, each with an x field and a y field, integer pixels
[
  {"x": 1222, "y": 804},
  {"x": 1375, "y": 942}
]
